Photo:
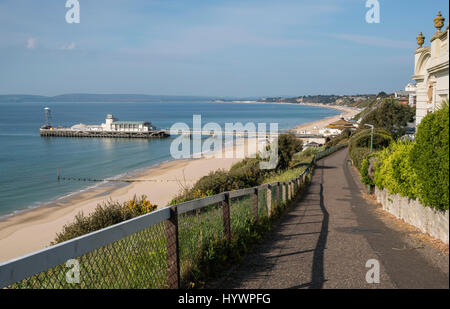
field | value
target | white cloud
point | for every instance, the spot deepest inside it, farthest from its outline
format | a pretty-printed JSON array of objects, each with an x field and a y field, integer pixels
[
  {"x": 69, "y": 46},
  {"x": 31, "y": 43}
]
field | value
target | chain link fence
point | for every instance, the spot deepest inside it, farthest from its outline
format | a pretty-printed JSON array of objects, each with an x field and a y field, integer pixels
[{"x": 135, "y": 261}]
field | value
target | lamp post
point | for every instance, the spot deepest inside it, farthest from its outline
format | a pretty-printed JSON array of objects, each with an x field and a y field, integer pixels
[
  {"x": 371, "y": 147},
  {"x": 371, "y": 136}
]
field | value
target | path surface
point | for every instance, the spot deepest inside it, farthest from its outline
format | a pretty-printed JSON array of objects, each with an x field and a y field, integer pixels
[{"x": 327, "y": 237}]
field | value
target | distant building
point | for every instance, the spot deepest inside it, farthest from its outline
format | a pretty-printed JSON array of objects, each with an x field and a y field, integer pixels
[
  {"x": 336, "y": 128},
  {"x": 330, "y": 132},
  {"x": 342, "y": 124},
  {"x": 113, "y": 125},
  {"x": 407, "y": 96},
  {"x": 431, "y": 68}
]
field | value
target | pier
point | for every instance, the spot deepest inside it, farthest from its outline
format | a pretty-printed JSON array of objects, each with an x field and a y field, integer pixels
[
  {"x": 64, "y": 132},
  {"x": 111, "y": 128}
]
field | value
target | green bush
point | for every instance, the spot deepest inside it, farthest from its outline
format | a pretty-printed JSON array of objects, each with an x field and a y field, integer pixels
[
  {"x": 365, "y": 170},
  {"x": 430, "y": 158},
  {"x": 359, "y": 144},
  {"x": 105, "y": 215},
  {"x": 394, "y": 170},
  {"x": 288, "y": 145},
  {"x": 244, "y": 174},
  {"x": 305, "y": 157}
]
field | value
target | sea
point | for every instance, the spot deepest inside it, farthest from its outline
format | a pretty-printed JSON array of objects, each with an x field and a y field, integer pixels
[{"x": 29, "y": 163}]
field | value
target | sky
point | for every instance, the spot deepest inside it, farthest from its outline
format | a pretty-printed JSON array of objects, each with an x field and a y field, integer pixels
[{"x": 239, "y": 48}]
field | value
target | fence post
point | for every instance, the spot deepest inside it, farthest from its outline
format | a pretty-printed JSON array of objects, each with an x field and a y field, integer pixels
[
  {"x": 286, "y": 191},
  {"x": 289, "y": 188},
  {"x": 173, "y": 258},
  {"x": 278, "y": 194},
  {"x": 226, "y": 217},
  {"x": 255, "y": 205},
  {"x": 269, "y": 200}
]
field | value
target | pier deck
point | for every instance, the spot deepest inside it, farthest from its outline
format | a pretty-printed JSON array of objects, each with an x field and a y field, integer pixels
[{"x": 111, "y": 134}]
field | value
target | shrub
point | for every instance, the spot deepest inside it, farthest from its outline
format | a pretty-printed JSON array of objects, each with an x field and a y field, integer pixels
[
  {"x": 305, "y": 157},
  {"x": 430, "y": 158},
  {"x": 105, "y": 215},
  {"x": 360, "y": 142},
  {"x": 366, "y": 169},
  {"x": 288, "y": 145},
  {"x": 244, "y": 174},
  {"x": 394, "y": 170}
]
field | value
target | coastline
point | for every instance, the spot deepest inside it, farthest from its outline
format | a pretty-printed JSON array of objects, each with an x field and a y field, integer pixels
[
  {"x": 34, "y": 229},
  {"x": 315, "y": 126},
  {"x": 347, "y": 112}
]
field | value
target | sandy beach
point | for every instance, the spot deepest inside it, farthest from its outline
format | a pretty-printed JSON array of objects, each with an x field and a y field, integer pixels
[
  {"x": 315, "y": 126},
  {"x": 33, "y": 230}
]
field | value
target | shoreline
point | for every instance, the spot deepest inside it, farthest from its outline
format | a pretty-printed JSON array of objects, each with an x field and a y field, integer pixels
[
  {"x": 347, "y": 112},
  {"x": 33, "y": 229}
]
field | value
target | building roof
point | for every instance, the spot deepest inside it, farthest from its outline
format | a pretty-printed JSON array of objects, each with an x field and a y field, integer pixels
[
  {"x": 403, "y": 92},
  {"x": 340, "y": 124},
  {"x": 130, "y": 122}
]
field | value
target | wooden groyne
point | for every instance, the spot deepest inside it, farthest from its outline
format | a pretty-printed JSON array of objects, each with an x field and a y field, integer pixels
[{"x": 104, "y": 134}]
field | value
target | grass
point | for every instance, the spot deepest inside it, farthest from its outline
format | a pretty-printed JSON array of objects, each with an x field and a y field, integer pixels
[{"x": 285, "y": 175}]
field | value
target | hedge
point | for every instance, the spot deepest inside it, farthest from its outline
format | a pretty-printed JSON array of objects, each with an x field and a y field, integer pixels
[
  {"x": 430, "y": 158},
  {"x": 394, "y": 170}
]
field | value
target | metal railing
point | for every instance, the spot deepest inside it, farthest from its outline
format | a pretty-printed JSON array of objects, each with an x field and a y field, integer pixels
[{"x": 156, "y": 250}]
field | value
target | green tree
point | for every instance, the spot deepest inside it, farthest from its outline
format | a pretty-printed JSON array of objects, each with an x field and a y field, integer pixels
[
  {"x": 391, "y": 116},
  {"x": 288, "y": 145}
]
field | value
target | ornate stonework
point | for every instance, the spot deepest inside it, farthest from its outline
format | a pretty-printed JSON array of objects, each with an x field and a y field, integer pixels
[
  {"x": 439, "y": 21},
  {"x": 431, "y": 70},
  {"x": 420, "y": 40}
]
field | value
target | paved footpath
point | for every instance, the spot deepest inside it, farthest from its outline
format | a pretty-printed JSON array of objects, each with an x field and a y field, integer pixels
[{"x": 329, "y": 234}]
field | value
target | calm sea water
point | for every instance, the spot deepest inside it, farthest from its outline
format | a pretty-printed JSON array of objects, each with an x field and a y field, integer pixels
[{"x": 29, "y": 163}]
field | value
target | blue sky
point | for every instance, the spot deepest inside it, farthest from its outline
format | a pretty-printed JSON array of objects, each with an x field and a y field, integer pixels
[{"x": 212, "y": 48}]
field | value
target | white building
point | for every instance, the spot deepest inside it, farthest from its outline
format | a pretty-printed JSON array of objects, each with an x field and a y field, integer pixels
[
  {"x": 113, "y": 125},
  {"x": 407, "y": 96},
  {"x": 431, "y": 71},
  {"x": 329, "y": 131}
]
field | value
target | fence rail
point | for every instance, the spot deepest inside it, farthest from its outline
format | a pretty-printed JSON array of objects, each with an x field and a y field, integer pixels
[{"x": 155, "y": 250}]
